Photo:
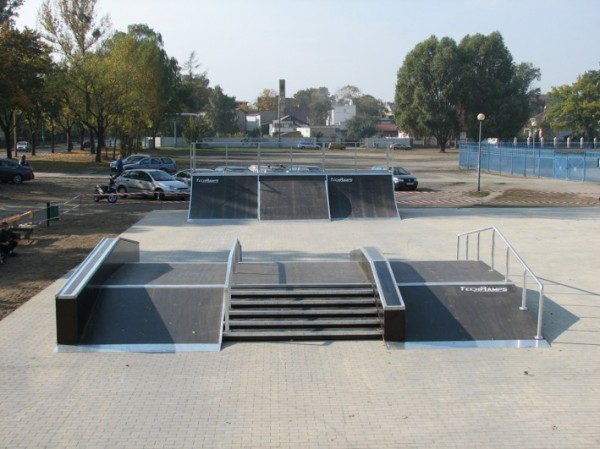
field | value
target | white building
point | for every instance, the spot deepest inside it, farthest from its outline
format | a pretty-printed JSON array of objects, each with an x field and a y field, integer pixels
[{"x": 340, "y": 114}]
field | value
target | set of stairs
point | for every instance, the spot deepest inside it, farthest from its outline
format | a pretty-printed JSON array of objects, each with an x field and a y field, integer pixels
[{"x": 309, "y": 312}]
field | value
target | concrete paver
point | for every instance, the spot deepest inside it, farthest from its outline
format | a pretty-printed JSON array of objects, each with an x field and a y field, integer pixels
[{"x": 350, "y": 394}]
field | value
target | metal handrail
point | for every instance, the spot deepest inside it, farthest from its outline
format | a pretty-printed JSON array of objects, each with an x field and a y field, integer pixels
[
  {"x": 235, "y": 256},
  {"x": 509, "y": 250}
]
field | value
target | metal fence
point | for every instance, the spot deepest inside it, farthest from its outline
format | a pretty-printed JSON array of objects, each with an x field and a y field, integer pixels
[{"x": 572, "y": 165}]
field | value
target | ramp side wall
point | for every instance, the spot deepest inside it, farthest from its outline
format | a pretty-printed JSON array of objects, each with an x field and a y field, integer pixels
[{"x": 74, "y": 305}]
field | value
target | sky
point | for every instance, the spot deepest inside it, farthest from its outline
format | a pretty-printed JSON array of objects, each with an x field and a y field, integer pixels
[{"x": 246, "y": 46}]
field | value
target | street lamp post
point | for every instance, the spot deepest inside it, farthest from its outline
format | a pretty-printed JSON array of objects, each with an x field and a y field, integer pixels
[
  {"x": 533, "y": 126},
  {"x": 481, "y": 118}
]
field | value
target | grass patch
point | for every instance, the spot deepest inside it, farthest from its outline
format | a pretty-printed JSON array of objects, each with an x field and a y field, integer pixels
[{"x": 481, "y": 194}]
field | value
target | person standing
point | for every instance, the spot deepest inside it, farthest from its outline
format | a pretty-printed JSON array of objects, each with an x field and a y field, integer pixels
[
  {"x": 8, "y": 240},
  {"x": 119, "y": 165},
  {"x": 23, "y": 161}
]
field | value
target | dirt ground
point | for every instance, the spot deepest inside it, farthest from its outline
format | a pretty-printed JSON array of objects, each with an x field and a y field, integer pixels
[{"x": 54, "y": 250}]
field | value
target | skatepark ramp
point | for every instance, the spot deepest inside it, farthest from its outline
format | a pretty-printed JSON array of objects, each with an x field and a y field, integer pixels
[
  {"x": 292, "y": 196},
  {"x": 113, "y": 302}
]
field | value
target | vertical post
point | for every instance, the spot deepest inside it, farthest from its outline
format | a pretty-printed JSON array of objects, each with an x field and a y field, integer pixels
[{"x": 481, "y": 118}]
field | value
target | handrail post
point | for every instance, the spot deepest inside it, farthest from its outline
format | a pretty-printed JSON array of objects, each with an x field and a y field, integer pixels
[
  {"x": 524, "y": 292},
  {"x": 493, "y": 249},
  {"x": 540, "y": 314},
  {"x": 506, "y": 267}
]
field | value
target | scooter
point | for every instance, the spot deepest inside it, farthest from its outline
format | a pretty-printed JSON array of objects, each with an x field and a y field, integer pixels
[{"x": 109, "y": 192}]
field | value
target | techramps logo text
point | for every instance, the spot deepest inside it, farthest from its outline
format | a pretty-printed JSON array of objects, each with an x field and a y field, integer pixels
[{"x": 483, "y": 289}]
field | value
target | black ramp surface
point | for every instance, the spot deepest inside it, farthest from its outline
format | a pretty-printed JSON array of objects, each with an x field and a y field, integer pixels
[
  {"x": 293, "y": 197},
  {"x": 362, "y": 196},
  {"x": 155, "y": 316},
  {"x": 466, "y": 313},
  {"x": 224, "y": 196}
]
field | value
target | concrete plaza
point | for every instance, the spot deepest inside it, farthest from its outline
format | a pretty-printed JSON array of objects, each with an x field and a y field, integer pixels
[{"x": 348, "y": 394}]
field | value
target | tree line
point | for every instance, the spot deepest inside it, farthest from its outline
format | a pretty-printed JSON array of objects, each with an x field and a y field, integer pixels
[{"x": 78, "y": 78}]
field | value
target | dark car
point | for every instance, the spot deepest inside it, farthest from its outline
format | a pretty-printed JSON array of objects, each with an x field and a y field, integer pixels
[
  {"x": 131, "y": 159},
  {"x": 11, "y": 171},
  {"x": 403, "y": 179},
  {"x": 152, "y": 163}
]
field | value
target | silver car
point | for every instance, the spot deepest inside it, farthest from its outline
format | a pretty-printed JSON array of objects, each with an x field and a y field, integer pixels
[
  {"x": 186, "y": 175},
  {"x": 155, "y": 183}
]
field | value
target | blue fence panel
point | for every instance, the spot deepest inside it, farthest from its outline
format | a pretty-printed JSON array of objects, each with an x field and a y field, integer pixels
[{"x": 521, "y": 159}]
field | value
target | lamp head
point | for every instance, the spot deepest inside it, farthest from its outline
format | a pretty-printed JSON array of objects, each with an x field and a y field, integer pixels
[{"x": 481, "y": 117}]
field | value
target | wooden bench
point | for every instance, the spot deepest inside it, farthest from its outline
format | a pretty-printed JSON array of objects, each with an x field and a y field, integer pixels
[{"x": 13, "y": 221}]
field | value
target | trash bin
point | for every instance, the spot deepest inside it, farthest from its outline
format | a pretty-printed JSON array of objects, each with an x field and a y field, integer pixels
[{"x": 53, "y": 212}]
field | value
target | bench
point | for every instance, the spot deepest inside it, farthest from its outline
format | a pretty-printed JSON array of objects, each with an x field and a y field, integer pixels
[{"x": 25, "y": 229}]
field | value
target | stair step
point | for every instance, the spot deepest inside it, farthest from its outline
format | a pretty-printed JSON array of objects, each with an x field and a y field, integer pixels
[
  {"x": 298, "y": 322},
  {"x": 304, "y": 334},
  {"x": 302, "y": 312},
  {"x": 276, "y": 302},
  {"x": 274, "y": 292}
]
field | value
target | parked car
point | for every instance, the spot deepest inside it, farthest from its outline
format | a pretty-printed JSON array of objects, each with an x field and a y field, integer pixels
[
  {"x": 400, "y": 146},
  {"x": 11, "y": 171},
  {"x": 304, "y": 169},
  {"x": 309, "y": 146},
  {"x": 131, "y": 159},
  {"x": 336, "y": 146},
  {"x": 24, "y": 146},
  {"x": 186, "y": 175},
  {"x": 403, "y": 179},
  {"x": 166, "y": 164},
  {"x": 232, "y": 169},
  {"x": 155, "y": 183}
]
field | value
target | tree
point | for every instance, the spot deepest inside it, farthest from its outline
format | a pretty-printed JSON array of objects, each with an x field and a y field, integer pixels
[
  {"x": 577, "y": 107},
  {"x": 8, "y": 10},
  {"x": 361, "y": 126},
  {"x": 318, "y": 101},
  {"x": 267, "y": 101},
  {"x": 148, "y": 79},
  {"x": 347, "y": 94},
  {"x": 427, "y": 90},
  {"x": 24, "y": 63},
  {"x": 220, "y": 113},
  {"x": 368, "y": 105},
  {"x": 442, "y": 87},
  {"x": 491, "y": 83},
  {"x": 192, "y": 92},
  {"x": 72, "y": 28}
]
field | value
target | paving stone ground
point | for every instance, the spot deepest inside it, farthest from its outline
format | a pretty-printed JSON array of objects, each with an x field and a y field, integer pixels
[{"x": 350, "y": 394}]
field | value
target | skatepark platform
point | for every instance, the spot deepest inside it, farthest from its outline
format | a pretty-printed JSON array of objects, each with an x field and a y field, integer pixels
[{"x": 113, "y": 302}]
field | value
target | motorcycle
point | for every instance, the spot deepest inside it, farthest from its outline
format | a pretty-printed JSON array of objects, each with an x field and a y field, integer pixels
[{"x": 109, "y": 191}]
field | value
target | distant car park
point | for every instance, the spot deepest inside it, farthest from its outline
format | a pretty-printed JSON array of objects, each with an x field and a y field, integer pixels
[
  {"x": 11, "y": 171},
  {"x": 23, "y": 146},
  {"x": 403, "y": 179}
]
